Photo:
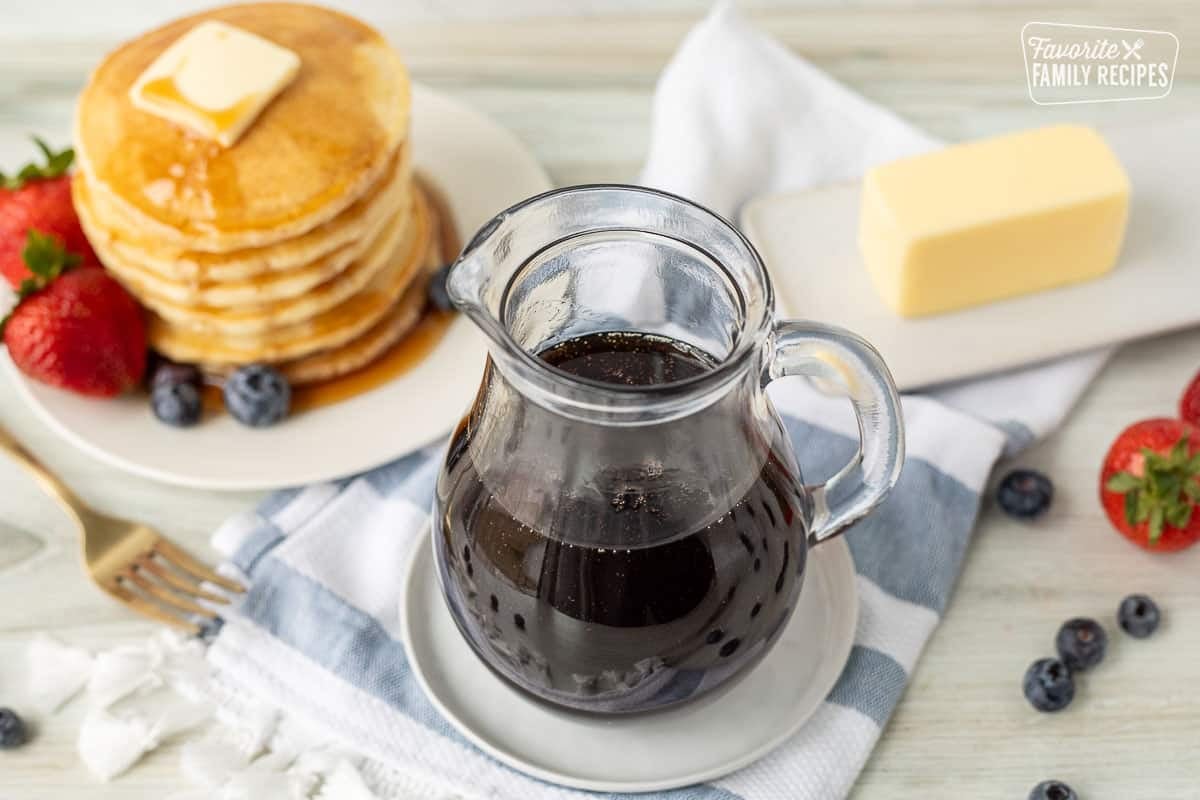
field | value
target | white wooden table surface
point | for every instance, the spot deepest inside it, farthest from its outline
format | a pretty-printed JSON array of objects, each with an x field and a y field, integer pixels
[{"x": 578, "y": 93}]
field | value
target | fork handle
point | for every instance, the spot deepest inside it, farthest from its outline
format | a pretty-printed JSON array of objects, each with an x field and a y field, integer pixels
[{"x": 48, "y": 480}]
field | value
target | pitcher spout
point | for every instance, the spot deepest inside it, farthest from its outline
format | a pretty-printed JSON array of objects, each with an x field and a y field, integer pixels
[
  {"x": 473, "y": 281},
  {"x": 465, "y": 281},
  {"x": 471, "y": 274}
]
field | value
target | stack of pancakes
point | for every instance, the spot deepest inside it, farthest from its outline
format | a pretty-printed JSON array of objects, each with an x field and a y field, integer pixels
[{"x": 307, "y": 244}]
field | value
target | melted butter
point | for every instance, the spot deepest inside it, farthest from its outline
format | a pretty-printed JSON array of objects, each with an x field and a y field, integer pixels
[
  {"x": 410, "y": 351},
  {"x": 401, "y": 357},
  {"x": 218, "y": 121}
]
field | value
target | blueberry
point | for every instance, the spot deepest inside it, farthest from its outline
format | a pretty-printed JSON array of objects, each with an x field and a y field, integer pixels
[
  {"x": 177, "y": 404},
  {"x": 1048, "y": 685},
  {"x": 439, "y": 297},
  {"x": 1025, "y": 493},
  {"x": 168, "y": 373},
  {"x": 1053, "y": 790},
  {"x": 1138, "y": 616},
  {"x": 1081, "y": 644},
  {"x": 257, "y": 395},
  {"x": 12, "y": 730}
]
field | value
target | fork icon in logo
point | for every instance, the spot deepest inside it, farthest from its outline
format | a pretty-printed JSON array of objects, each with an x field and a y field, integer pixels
[{"x": 1132, "y": 49}]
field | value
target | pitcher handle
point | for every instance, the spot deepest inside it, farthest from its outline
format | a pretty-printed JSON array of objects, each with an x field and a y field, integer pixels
[{"x": 831, "y": 353}]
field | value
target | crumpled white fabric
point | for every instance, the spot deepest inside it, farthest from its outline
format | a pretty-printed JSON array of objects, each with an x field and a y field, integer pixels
[{"x": 736, "y": 115}]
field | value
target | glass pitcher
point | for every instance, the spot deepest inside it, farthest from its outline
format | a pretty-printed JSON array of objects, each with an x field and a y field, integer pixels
[{"x": 620, "y": 523}]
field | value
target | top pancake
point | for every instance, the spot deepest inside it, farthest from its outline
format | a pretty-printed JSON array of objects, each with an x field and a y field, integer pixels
[{"x": 321, "y": 144}]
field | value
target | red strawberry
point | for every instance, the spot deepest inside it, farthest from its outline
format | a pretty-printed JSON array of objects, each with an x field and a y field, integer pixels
[
  {"x": 1150, "y": 484},
  {"x": 38, "y": 198},
  {"x": 1189, "y": 404},
  {"x": 78, "y": 330}
]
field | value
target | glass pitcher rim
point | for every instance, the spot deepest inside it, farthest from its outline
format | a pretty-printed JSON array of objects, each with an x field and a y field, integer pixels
[{"x": 750, "y": 337}]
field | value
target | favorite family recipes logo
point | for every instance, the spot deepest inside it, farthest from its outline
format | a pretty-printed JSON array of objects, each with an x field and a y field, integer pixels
[{"x": 1092, "y": 64}]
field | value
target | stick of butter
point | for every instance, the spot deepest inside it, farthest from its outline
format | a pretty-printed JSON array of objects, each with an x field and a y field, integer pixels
[
  {"x": 992, "y": 219},
  {"x": 215, "y": 80}
]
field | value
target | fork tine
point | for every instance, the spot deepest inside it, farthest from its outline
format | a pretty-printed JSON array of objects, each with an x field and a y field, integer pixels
[
  {"x": 177, "y": 581},
  {"x": 178, "y": 558},
  {"x": 144, "y": 607},
  {"x": 164, "y": 596}
]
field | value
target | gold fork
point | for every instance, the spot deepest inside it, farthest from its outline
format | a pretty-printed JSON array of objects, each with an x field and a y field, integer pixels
[{"x": 130, "y": 561}]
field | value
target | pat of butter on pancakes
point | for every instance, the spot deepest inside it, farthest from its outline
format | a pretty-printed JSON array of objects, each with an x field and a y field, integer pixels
[{"x": 215, "y": 80}]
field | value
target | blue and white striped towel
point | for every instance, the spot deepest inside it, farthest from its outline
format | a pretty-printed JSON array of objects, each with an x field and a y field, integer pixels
[{"x": 317, "y": 636}]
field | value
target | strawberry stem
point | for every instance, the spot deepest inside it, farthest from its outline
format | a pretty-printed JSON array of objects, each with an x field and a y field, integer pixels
[
  {"x": 1167, "y": 491},
  {"x": 46, "y": 258},
  {"x": 57, "y": 164}
]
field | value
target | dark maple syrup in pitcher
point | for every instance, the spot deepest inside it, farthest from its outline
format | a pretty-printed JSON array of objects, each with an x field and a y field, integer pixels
[{"x": 621, "y": 628}]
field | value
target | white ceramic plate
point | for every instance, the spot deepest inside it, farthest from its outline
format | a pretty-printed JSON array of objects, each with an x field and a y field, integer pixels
[
  {"x": 809, "y": 242},
  {"x": 653, "y": 752},
  {"x": 482, "y": 169}
]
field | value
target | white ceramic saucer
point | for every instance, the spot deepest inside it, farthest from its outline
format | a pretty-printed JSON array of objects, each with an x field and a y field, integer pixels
[
  {"x": 481, "y": 169},
  {"x": 678, "y": 747}
]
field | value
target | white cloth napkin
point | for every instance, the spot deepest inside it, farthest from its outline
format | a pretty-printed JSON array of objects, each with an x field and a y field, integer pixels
[
  {"x": 318, "y": 633},
  {"x": 738, "y": 115}
]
